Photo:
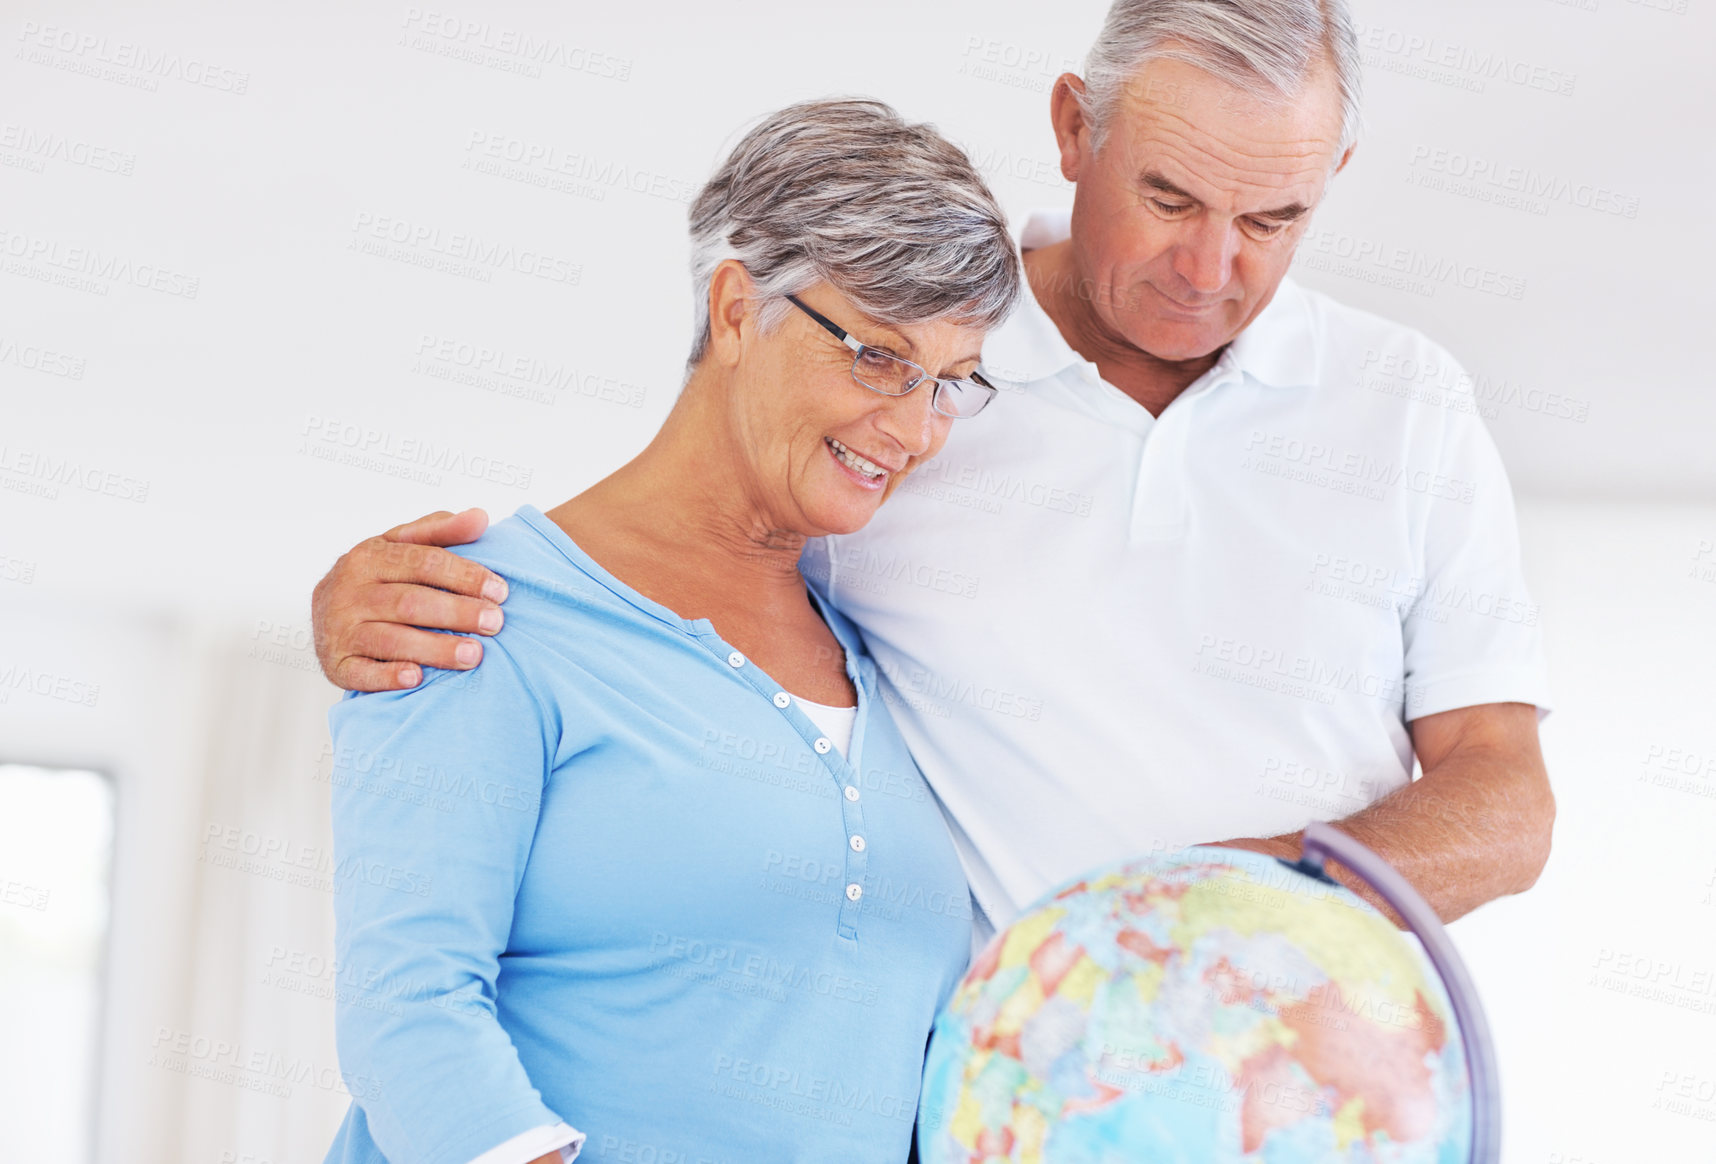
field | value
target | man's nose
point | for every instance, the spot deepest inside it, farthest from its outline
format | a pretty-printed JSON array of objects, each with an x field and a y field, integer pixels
[{"x": 1204, "y": 258}]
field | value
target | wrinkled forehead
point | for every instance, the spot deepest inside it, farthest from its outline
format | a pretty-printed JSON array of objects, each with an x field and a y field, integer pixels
[{"x": 1210, "y": 137}]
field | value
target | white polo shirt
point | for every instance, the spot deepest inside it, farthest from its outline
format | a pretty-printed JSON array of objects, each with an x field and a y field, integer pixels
[{"x": 1105, "y": 633}]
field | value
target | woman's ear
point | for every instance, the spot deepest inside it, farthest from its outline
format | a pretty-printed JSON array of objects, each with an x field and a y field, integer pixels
[{"x": 732, "y": 314}]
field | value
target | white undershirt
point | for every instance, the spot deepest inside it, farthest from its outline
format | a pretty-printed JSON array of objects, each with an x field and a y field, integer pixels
[{"x": 834, "y": 722}]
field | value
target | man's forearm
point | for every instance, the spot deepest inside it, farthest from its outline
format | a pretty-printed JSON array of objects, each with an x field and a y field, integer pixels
[{"x": 1475, "y": 827}]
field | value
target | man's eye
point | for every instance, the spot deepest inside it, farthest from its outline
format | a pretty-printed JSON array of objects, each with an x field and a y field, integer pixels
[
  {"x": 1168, "y": 207},
  {"x": 1265, "y": 229}
]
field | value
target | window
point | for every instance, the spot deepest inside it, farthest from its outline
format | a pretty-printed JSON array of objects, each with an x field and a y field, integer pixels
[{"x": 56, "y": 849}]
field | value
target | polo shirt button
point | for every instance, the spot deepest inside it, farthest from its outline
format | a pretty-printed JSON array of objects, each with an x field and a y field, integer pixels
[
  {"x": 822, "y": 745},
  {"x": 735, "y": 660},
  {"x": 854, "y": 891},
  {"x": 851, "y": 793},
  {"x": 857, "y": 843},
  {"x": 782, "y": 699}
]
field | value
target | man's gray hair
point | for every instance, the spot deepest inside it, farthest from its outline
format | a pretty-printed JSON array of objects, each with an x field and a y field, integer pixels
[
  {"x": 1268, "y": 48},
  {"x": 892, "y": 214}
]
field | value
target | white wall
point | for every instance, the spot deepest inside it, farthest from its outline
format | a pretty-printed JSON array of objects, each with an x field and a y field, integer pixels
[
  {"x": 192, "y": 423},
  {"x": 1601, "y": 981}
]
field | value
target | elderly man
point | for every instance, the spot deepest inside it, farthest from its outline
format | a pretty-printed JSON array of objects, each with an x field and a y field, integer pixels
[{"x": 1207, "y": 571}]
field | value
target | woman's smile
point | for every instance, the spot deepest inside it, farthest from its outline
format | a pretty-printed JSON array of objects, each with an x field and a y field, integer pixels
[{"x": 864, "y": 472}]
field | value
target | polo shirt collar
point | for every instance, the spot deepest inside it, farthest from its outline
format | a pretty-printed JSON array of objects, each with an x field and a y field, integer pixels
[{"x": 1279, "y": 347}]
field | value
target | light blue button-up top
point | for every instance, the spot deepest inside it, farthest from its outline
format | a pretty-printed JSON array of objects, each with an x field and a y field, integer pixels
[{"x": 616, "y": 877}]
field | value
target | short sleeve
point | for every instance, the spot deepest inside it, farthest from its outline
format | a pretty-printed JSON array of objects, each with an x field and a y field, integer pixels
[
  {"x": 1473, "y": 635},
  {"x": 436, "y": 794}
]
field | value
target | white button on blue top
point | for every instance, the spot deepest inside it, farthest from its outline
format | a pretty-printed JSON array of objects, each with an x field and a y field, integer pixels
[
  {"x": 854, "y": 891},
  {"x": 735, "y": 660},
  {"x": 782, "y": 699},
  {"x": 857, "y": 843},
  {"x": 822, "y": 745},
  {"x": 851, "y": 793}
]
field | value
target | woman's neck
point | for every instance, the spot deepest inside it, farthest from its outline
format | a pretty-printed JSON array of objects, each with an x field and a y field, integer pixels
[
  {"x": 686, "y": 524},
  {"x": 665, "y": 517}
]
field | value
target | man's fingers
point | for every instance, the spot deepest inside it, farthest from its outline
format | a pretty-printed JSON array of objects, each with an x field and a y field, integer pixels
[
  {"x": 441, "y": 528},
  {"x": 393, "y": 643},
  {"x": 356, "y": 674},
  {"x": 405, "y": 576},
  {"x": 427, "y": 607},
  {"x": 429, "y": 566},
  {"x": 448, "y": 571}
]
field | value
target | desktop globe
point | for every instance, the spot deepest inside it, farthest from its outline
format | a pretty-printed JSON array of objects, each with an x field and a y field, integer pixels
[{"x": 1215, "y": 1006}]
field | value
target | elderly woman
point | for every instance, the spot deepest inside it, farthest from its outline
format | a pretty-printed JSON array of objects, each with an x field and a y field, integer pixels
[{"x": 681, "y": 893}]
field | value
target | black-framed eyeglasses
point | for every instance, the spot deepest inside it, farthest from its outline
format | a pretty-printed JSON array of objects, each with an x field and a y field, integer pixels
[{"x": 891, "y": 375}]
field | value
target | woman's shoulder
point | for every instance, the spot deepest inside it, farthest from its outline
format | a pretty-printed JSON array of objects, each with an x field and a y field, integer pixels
[
  {"x": 504, "y": 692},
  {"x": 531, "y": 553},
  {"x": 565, "y": 618}
]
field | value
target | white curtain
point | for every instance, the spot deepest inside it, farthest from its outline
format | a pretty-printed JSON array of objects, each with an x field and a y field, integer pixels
[{"x": 259, "y": 976}]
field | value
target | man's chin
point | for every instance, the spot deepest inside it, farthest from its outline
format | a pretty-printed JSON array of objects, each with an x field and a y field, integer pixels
[{"x": 1179, "y": 344}]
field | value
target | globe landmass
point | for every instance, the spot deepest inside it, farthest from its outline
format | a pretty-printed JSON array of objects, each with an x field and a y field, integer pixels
[{"x": 1208, "y": 1007}]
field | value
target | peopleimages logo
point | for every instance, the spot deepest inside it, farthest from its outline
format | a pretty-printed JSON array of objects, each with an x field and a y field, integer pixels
[
  {"x": 1403, "y": 268},
  {"x": 35, "y": 358},
  {"x": 899, "y": 568},
  {"x": 1524, "y": 180},
  {"x": 537, "y": 163},
  {"x": 507, "y": 49},
  {"x": 43, "y": 473},
  {"x": 1369, "y": 474},
  {"x": 253, "y": 1068},
  {"x": 512, "y": 373},
  {"x": 1275, "y": 668},
  {"x": 332, "y": 439},
  {"x": 715, "y": 958},
  {"x": 46, "y": 146},
  {"x": 1441, "y": 382},
  {"x": 49, "y": 685},
  {"x": 88, "y": 53},
  {"x": 791, "y": 1081},
  {"x": 1432, "y": 58},
  {"x": 88, "y": 268},
  {"x": 425, "y": 244},
  {"x": 1016, "y": 66}
]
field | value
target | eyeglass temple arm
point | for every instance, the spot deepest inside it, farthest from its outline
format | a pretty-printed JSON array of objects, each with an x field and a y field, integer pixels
[
  {"x": 841, "y": 334},
  {"x": 834, "y": 329}
]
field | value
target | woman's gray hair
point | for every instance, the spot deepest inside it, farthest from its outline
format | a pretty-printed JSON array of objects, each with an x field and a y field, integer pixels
[
  {"x": 892, "y": 214},
  {"x": 1268, "y": 48}
]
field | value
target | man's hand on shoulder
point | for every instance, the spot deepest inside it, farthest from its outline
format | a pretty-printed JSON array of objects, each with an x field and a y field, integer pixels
[{"x": 373, "y": 612}]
